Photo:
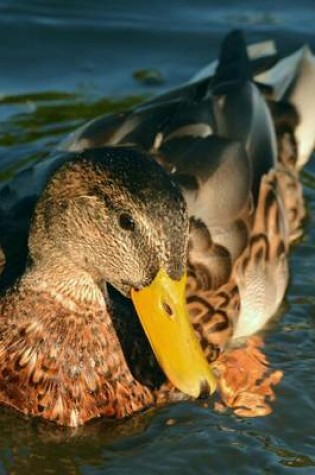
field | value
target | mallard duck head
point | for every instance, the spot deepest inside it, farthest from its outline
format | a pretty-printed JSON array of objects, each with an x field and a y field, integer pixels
[{"x": 116, "y": 215}]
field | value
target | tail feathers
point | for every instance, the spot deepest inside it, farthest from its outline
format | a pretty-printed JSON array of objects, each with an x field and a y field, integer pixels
[{"x": 234, "y": 67}]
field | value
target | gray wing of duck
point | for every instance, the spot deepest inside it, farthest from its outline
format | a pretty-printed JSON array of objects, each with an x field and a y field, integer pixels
[
  {"x": 291, "y": 82},
  {"x": 227, "y": 105},
  {"x": 240, "y": 111},
  {"x": 287, "y": 85}
]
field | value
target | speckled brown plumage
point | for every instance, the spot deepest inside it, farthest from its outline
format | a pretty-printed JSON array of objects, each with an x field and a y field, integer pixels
[
  {"x": 61, "y": 359},
  {"x": 212, "y": 314},
  {"x": 244, "y": 303}
]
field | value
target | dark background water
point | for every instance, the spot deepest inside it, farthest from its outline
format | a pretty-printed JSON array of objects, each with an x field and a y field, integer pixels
[{"x": 63, "y": 62}]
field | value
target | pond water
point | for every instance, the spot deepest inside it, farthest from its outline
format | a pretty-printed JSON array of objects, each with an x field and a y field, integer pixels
[{"x": 63, "y": 62}]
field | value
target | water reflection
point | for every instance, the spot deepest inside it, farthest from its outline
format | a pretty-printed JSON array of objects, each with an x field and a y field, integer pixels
[
  {"x": 37, "y": 122},
  {"x": 197, "y": 439},
  {"x": 31, "y": 446}
]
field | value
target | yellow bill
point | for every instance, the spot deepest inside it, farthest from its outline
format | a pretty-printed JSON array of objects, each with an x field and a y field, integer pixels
[{"x": 162, "y": 310}]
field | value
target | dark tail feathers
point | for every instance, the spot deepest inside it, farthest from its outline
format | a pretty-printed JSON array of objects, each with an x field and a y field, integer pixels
[{"x": 234, "y": 68}]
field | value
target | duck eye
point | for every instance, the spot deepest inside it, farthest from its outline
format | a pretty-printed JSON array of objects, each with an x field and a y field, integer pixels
[{"x": 126, "y": 222}]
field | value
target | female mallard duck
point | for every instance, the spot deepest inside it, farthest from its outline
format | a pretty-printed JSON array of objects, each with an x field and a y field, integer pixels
[
  {"x": 113, "y": 216},
  {"x": 110, "y": 215}
]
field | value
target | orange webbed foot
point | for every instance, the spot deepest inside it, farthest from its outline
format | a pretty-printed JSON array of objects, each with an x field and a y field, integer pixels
[{"x": 245, "y": 380}]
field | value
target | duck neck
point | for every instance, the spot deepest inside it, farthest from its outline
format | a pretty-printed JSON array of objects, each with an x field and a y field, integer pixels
[
  {"x": 66, "y": 282},
  {"x": 65, "y": 347}
]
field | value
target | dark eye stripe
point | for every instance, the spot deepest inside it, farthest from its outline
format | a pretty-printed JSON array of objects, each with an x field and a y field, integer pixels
[{"x": 126, "y": 222}]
